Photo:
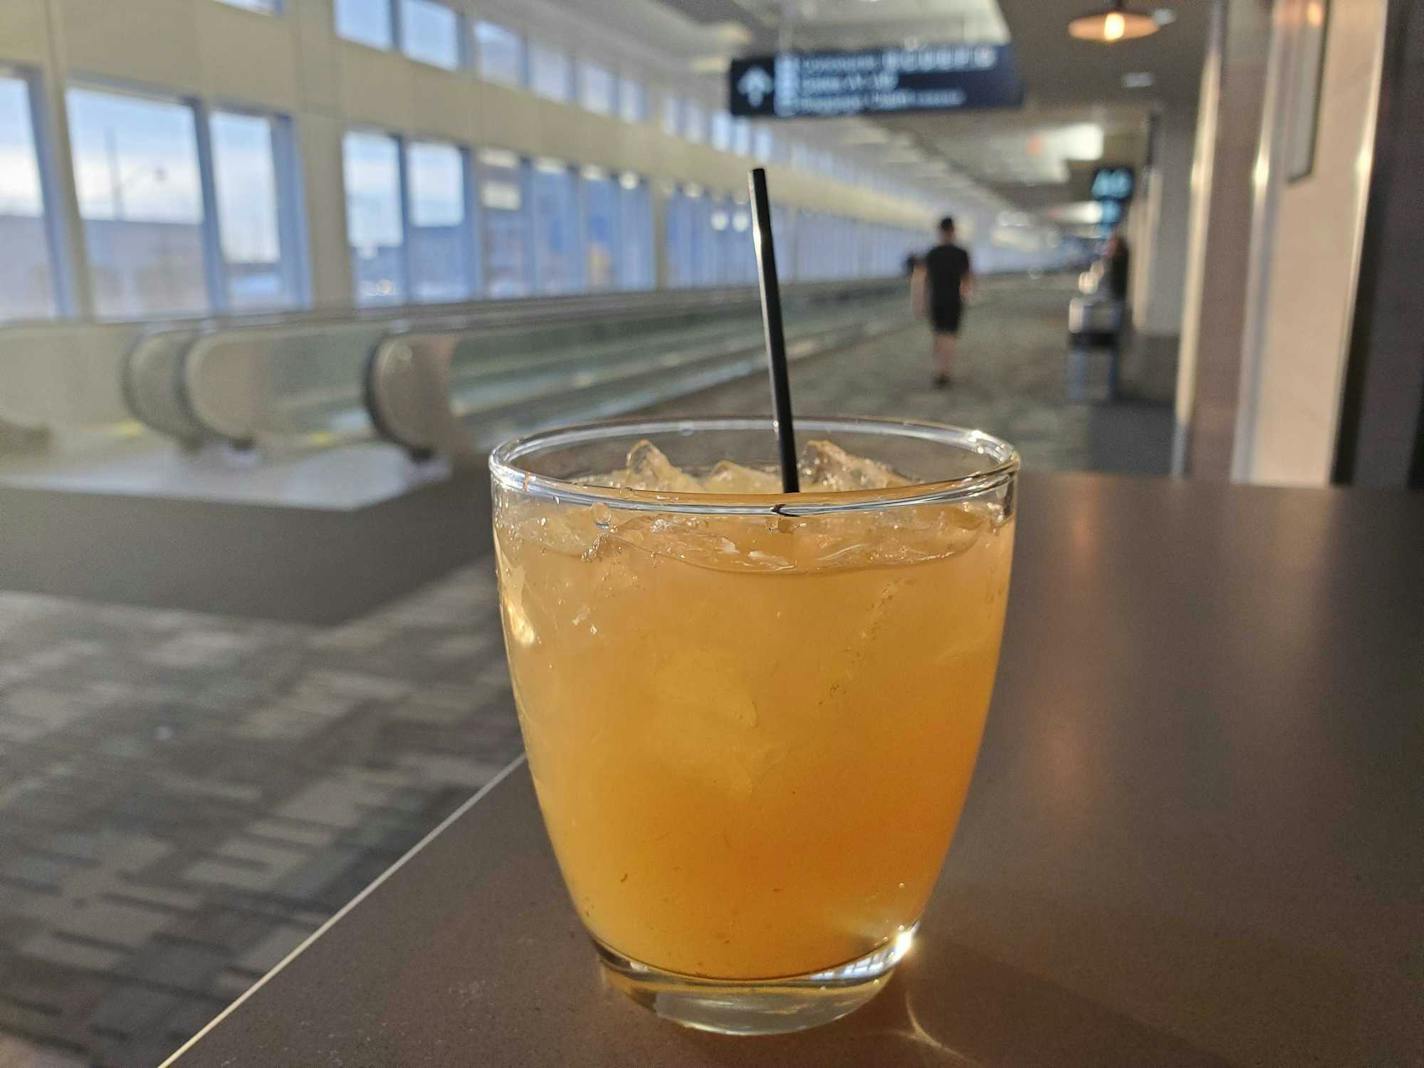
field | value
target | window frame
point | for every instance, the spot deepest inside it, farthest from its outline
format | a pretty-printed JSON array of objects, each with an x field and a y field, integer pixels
[
  {"x": 64, "y": 269},
  {"x": 463, "y": 37},
  {"x": 403, "y": 199},
  {"x": 288, "y": 180},
  {"x": 469, "y": 241}
]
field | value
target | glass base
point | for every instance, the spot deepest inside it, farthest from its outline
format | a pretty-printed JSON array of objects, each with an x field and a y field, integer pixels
[{"x": 756, "y": 1006}]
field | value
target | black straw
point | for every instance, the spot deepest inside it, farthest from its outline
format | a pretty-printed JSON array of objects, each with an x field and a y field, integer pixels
[{"x": 775, "y": 336}]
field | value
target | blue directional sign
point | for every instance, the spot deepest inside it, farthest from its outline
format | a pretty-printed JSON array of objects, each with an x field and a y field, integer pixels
[
  {"x": 1114, "y": 183},
  {"x": 800, "y": 85}
]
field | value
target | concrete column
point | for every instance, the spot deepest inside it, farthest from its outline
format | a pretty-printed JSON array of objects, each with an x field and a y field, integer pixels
[
  {"x": 1158, "y": 311},
  {"x": 1219, "y": 247},
  {"x": 319, "y": 146}
]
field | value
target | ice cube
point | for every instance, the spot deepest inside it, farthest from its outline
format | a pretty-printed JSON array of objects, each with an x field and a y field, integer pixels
[
  {"x": 649, "y": 469},
  {"x": 729, "y": 477},
  {"x": 826, "y": 467}
]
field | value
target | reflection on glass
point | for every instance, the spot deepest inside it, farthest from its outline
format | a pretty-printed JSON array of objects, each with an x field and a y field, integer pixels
[
  {"x": 26, "y": 277},
  {"x": 499, "y": 54},
  {"x": 439, "y": 249},
  {"x": 557, "y": 268},
  {"x": 505, "y": 218},
  {"x": 371, "y": 167},
  {"x": 366, "y": 22},
  {"x": 430, "y": 32},
  {"x": 136, "y": 173},
  {"x": 260, "y": 272}
]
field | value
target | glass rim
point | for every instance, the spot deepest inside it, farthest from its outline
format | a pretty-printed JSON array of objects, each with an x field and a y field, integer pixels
[{"x": 1001, "y": 467}]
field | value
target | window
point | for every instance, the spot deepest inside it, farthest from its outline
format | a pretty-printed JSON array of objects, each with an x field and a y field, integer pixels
[
  {"x": 688, "y": 238},
  {"x": 694, "y": 122},
  {"x": 27, "y": 288},
  {"x": 558, "y": 266},
  {"x": 672, "y": 115},
  {"x": 601, "y": 229},
  {"x": 548, "y": 71},
  {"x": 597, "y": 88},
  {"x": 635, "y": 252},
  {"x": 499, "y": 53},
  {"x": 742, "y": 137},
  {"x": 763, "y": 143},
  {"x": 430, "y": 32},
  {"x": 366, "y": 22},
  {"x": 721, "y": 131},
  {"x": 371, "y": 168},
  {"x": 140, "y": 197},
  {"x": 441, "y": 259},
  {"x": 506, "y": 224},
  {"x": 255, "y": 213},
  {"x": 266, "y": 7},
  {"x": 632, "y": 100}
]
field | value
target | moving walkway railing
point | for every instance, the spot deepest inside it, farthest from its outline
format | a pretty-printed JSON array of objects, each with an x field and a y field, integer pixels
[{"x": 413, "y": 375}]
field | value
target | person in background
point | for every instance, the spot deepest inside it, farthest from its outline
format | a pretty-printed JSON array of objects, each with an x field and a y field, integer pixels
[
  {"x": 1117, "y": 261},
  {"x": 942, "y": 282}
]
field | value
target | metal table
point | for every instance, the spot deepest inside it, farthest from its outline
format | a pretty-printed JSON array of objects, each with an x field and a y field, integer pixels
[{"x": 1194, "y": 836}]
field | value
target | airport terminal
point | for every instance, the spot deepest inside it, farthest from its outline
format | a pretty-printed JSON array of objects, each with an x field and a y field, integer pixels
[{"x": 301, "y": 764}]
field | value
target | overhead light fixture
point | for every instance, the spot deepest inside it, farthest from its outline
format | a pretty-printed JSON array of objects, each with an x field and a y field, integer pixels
[
  {"x": 1138, "y": 79},
  {"x": 1117, "y": 23}
]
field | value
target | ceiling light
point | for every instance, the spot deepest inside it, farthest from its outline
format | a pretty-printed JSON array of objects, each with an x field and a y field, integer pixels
[
  {"x": 1115, "y": 24},
  {"x": 1137, "y": 79}
]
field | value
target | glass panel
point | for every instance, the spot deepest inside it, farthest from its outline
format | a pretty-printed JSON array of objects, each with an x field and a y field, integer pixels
[
  {"x": 557, "y": 263},
  {"x": 549, "y": 71},
  {"x": 430, "y": 32},
  {"x": 499, "y": 53},
  {"x": 763, "y": 143},
  {"x": 26, "y": 275},
  {"x": 632, "y": 100},
  {"x": 366, "y": 22},
  {"x": 260, "y": 273},
  {"x": 440, "y": 267},
  {"x": 694, "y": 122},
  {"x": 597, "y": 88},
  {"x": 601, "y": 229},
  {"x": 506, "y": 225},
  {"x": 371, "y": 167},
  {"x": 721, "y": 130},
  {"x": 136, "y": 170},
  {"x": 742, "y": 137},
  {"x": 266, "y": 7},
  {"x": 635, "y": 253}
]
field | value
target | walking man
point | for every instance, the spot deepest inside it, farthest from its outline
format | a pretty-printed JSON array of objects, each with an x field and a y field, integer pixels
[{"x": 946, "y": 280}]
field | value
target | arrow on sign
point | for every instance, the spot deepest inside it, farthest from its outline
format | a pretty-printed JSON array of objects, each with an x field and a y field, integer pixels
[{"x": 755, "y": 84}]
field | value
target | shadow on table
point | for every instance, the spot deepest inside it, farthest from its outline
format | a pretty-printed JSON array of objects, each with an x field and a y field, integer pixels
[{"x": 951, "y": 1005}]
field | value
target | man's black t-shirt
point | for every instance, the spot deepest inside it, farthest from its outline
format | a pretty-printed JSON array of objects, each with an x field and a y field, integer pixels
[{"x": 945, "y": 268}]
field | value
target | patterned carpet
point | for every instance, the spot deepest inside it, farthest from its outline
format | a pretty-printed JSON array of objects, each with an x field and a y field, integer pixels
[{"x": 185, "y": 797}]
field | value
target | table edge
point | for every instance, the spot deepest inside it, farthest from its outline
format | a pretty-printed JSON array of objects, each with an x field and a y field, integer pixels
[{"x": 336, "y": 917}]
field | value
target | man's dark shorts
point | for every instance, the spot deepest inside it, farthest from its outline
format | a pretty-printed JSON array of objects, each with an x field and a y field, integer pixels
[{"x": 945, "y": 317}]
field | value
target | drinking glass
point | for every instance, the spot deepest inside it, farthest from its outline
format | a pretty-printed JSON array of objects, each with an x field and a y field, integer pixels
[{"x": 752, "y": 717}]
